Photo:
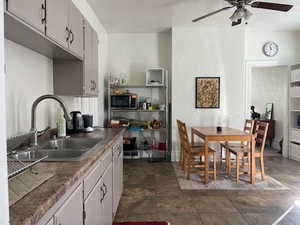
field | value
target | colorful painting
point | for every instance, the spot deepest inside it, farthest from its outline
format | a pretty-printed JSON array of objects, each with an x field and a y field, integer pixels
[{"x": 208, "y": 92}]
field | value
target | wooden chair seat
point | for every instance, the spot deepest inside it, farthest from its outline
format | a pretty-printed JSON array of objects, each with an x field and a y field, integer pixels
[
  {"x": 199, "y": 151},
  {"x": 191, "y": 155},
  {"x": 243, "y": 153},
  {"x": 248, "y": 127}
]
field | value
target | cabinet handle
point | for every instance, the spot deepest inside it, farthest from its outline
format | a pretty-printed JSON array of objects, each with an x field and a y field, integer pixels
[
  {"x": 105, "y": 192},
  {"x": 67, "y": 34},
  {"x": 102, "y": 197},
  {"x": 43, "y": 13},
  {"x": 71, "y": 36}
]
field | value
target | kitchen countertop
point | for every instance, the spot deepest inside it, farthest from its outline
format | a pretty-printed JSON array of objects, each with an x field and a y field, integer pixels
[{"x": 30, "y": 209}]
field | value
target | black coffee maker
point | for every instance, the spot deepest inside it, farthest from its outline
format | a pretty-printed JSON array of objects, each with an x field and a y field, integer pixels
[{"x": 76, "y": 124}]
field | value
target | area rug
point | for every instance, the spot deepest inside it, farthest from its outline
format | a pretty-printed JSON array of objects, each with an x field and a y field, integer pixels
[
  {"x": 142, "y": 223},
  {"x": 224, "y": 182}
]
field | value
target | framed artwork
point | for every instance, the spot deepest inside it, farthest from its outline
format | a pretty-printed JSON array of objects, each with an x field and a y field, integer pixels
[{"x": 208, "y": 92}]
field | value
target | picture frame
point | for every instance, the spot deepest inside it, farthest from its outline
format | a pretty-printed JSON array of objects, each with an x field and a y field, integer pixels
[{"x": 207, "y": 93}]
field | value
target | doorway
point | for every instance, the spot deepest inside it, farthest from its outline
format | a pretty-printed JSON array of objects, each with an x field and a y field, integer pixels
[
  {"x": 268, "y": 92},
  {"x": 267, "y": 84}
]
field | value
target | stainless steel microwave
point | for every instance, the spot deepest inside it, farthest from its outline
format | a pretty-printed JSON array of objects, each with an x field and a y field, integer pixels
[{"x": 124, "y": 101}]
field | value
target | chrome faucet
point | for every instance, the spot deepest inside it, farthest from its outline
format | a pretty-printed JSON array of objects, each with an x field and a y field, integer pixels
[{"x": 33, "y": 114}]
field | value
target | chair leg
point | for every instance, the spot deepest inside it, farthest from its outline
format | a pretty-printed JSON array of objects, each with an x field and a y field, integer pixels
[
  {"x": 188, "y": 167},
  {"x": 215, "y": 166},
  {"x": 221, "y": 156},
  {"x": 229, "y": 162},
  {"x": 238, "y": 167},
  {"x": 262, "y": 167}
]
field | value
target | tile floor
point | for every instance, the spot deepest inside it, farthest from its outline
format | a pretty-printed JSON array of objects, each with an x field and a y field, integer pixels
[{"x": 151, "y": 193}]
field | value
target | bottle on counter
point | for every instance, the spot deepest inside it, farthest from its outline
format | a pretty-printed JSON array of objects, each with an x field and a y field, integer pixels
[{"x": 61, "y": 124}]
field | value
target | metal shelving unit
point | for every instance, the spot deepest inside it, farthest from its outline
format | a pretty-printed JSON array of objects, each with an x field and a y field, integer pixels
[{"x": 163, "y": 134}]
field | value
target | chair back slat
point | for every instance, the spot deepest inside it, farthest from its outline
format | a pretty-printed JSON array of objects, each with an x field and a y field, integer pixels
[
  {"x": 248, "y": 128},
  {"x": 183, "y": 134},
  {"x": 261, "y": 135}
]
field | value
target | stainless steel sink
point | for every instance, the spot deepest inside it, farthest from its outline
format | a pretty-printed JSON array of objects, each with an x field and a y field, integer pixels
[
  {"x": 71, "y": 144},
  {"x": 53, "y": 155},
  {"x": 66, "y": 149}
]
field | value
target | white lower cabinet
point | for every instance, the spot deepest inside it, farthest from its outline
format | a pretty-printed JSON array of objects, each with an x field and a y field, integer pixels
[
  {"x": 107, "y": 212},
  {"x": 71, "y": 212},
  {"x": 98, "y": 206},
  {"x": 93, "y": 205},
  {"x": 96, "y": 199}
]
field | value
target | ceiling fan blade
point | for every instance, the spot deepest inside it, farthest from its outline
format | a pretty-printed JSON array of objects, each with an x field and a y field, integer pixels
[
  {"x": 212, "y": 13},
  {"x": 235, "y": 23},
  {"x": 271, "y": 6}
]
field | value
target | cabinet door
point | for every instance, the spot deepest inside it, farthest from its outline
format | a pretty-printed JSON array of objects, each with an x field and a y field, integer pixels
[
  {"x": 76, "y": 30},
  {"x": 107, "y": 211},
  {"x": 93, "y": 205},
  {"x": 30, "y": 11},
  {"x": 57, "y": 21},
  {"x": 88, "y": 48},
  {"x": 116, "y": 177},
  {"x": 72, "y": 210},
  {"x": 120, "y": 167},
  {"x": 95, "y": 62}
]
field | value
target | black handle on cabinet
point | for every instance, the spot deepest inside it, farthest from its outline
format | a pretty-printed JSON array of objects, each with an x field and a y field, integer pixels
[
  {"x": 102, "y": 197},
  {"x": 105, "y": 192},
  {"x": 72, "y": 36},
  {"x": 43, "y": 13},
  {"x": 67, "y": 34}
]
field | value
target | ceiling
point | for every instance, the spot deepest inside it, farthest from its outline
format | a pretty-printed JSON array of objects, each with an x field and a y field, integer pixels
[{"x": 145, "y": 16}]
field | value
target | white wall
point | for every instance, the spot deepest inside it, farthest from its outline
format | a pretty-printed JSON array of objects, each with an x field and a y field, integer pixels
[
  {"x": 133, "y": 53},
  {"x": 4, "y": 209},
  {"x": 269, "y": 86},
  {"x": 288, "y": 46},
  {"x": 206, "y": 52}
]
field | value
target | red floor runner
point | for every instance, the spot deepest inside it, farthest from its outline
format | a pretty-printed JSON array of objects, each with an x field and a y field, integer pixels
[{"x": 142, "y": 223}]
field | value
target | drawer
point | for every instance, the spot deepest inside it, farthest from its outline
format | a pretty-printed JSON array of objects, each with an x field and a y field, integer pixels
[
  {"x": 106, "y": 159},
  {"x": 91, "y": 179},
  {"x": 295, "y": 135},
  {"x": 295, "y": 151},
  {"x": 295, "y": 76}
]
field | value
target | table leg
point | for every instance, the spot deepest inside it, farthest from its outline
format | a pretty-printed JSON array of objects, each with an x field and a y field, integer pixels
[
  {"x": 206, "y": 161},
  {"x": 253, "y": 163}
]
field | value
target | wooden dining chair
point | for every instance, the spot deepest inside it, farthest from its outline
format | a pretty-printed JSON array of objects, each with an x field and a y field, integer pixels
[
  {"x": 243, "y": 153},
  {"x": 248, "y": 128},
  {"x": 191, "y": 155}
]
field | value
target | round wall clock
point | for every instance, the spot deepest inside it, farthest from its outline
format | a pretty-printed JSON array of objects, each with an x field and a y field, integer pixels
[{"x": 270, "y": 49}]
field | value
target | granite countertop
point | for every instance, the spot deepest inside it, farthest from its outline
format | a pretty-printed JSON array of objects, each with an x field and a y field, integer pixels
[{"x": 30, "y": 209}]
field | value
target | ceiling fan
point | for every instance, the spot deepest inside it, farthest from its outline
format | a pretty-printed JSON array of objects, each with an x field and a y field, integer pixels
[{"x": 242, "y": 12}]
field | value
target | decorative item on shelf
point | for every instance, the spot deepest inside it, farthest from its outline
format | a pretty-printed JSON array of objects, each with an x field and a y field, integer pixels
[
  {"x": 155, "y": 77},
  {"x": 162, "y": 107},
  {"x": 207, "y": 92},
  {"x": 269, "y": 111},
  {"x": 254, "y": 115},
  {"x": 155, "y": 124},
  {"x": 162, "y": 146},
  {"x": 129, "y": 143},
  {"x": 219, "y": 129}
]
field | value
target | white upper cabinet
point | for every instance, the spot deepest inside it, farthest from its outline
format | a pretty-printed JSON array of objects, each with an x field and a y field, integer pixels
[
  {"x": 32, "y": 12},
  {"x": 76, "y": 30},
  {"x": 57, "y": 21}
]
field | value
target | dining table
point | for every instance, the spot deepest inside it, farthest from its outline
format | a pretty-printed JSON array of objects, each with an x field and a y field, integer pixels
[{"x": 223, "y": 134}]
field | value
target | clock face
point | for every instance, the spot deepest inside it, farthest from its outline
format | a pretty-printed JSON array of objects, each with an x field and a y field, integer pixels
[{"x": 271, "y": 49}]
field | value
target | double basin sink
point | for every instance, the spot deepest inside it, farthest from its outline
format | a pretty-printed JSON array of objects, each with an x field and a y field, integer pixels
[{"x": 65, "y": 149}]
